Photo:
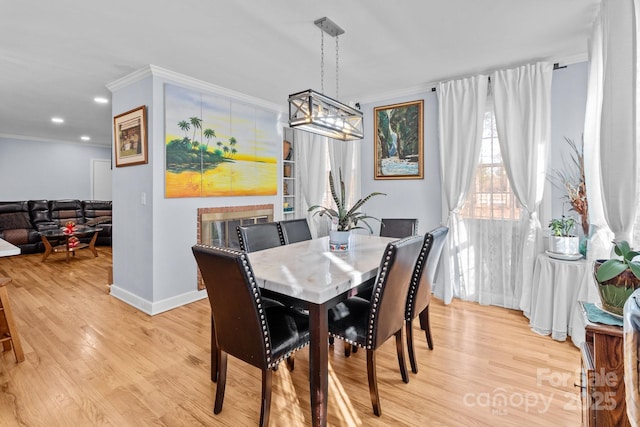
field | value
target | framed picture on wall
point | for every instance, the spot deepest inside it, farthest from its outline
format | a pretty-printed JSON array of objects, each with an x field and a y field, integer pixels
[
  {"x": 130, "y": 137},
  {"x": 398, "y": 131}
]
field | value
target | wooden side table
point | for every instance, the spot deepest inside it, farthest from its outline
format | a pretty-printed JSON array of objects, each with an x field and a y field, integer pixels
[
  {"x": 8, "y": 329},
  {"x": 602, "y": 379}
]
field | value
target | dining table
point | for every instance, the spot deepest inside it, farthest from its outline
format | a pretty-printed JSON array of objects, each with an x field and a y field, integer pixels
[{"x": 308, "y": 272}]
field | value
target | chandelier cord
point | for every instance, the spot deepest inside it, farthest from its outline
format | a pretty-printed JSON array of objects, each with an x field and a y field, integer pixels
[
  {"x": 337, "y": 68},
  {"x": 321, "y": 60}
]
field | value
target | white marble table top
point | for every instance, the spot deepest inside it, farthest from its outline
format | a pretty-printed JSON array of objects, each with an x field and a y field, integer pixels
[
  {"x": 308, "y": 271},
  {"x": 7, "y": 249}
]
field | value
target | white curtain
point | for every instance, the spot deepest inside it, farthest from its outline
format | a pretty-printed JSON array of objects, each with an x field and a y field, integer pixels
[
  {"x": 461, "y": 111},
  {"x": 312, "y": 174},
  {"x": 599, "y": 236},
  {"x": 618, "y": 143},
  {"x": 522, "y": 102},
  {"x": 636, "y": 15}
]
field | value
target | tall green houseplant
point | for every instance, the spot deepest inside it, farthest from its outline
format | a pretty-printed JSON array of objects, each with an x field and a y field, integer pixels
[{"x": 348, "y": 218}]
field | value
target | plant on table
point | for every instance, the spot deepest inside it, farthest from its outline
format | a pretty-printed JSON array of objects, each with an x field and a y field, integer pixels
[
  {"x": 347, "y": 218},
  {"x": 562, "y": 227},
  {"x": 617, "y": 277}
]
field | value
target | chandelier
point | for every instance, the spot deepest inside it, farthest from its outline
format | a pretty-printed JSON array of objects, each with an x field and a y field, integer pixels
[{"x": 317, "y": 113}]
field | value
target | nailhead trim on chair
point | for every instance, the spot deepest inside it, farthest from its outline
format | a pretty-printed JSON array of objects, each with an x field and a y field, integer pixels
[
  {"x": 375, "y": 298},
  {"x": 256, "y": 295},
  {"x": 415, "y": 278}
]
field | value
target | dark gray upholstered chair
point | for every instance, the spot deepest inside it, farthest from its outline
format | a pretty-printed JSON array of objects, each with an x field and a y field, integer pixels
[
  {"x": 419, "y": 295},
  {"x": 398, "y": 227},
  {"x": 270, "y": 332},
  {"x": 295, "y": 230},
  {"x": 256, "y": 237},
  {"x": 369, "y": 324}
]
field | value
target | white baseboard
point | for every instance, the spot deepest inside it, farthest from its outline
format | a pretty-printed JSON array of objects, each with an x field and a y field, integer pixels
[{"x": 156, "y": 307}]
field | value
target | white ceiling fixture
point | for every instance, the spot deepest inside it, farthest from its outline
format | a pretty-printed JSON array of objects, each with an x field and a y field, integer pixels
[
  {"x": 85, "y": 138},
  {"x": 315, "y": 112},
  {"x": 101, "y": 100},
  {"x": 57, "y": 120}
]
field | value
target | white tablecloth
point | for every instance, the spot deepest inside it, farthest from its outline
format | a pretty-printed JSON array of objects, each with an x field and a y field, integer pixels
[{"x": 556, "y": 287}]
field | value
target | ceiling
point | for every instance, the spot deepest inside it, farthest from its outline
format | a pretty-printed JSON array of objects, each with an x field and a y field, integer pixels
[{"x": 56, "y": 56}]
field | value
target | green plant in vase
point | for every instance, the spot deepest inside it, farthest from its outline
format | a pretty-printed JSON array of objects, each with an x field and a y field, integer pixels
[
  {"x": 617, "y": 277},
  {"x": 562, "y": 239},
  {"x": 344, "y": 219}
]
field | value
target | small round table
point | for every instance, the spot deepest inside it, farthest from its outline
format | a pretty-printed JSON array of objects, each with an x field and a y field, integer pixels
[{"x": 554, "y": 294}]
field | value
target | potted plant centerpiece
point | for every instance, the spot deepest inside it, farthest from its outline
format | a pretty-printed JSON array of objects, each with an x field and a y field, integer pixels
[
  {"x": 344, "y": 219},
  {"x": 561, "y": 240},
  {"x": 617, "y": 277}
]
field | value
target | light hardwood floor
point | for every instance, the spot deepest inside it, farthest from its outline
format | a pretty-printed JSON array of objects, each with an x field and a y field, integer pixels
[{"x": 94, "y": 360}]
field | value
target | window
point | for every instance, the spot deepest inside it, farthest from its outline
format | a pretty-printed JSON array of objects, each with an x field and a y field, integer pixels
[{"x": 490, "y": 196}]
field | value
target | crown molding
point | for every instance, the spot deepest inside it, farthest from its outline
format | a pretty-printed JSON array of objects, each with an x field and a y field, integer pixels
[
  {"x": 57, "y": 141},
  {"x": 184, "y": 80},
  {"x": 427, "y": 87}
]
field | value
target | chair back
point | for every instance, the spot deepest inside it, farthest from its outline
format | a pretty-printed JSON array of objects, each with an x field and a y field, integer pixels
[
  {"x": 424, "y": 274},
  {"x": 256, "y": 237},
  {"x": 390, "y": 291},
  {"x": 236, "y": 304},
  {"x": 398, "y": 227},
  {"x": 295, "y": 230}
]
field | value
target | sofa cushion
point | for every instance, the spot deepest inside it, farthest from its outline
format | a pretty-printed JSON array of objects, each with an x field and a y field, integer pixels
[
  {"x": 39, "y": 211},
  {"x": 99, "y": 220},
  {"x": 16, "y": 236},
  {"x": 63, "y": 211},
  {"x": 15, "y": 220}
]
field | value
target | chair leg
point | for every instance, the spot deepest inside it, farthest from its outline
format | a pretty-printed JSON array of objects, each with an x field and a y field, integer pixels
[
  {"x": 222, "y": 382},
  {"x": 215, "y": 353},
  {"x": 291, "y": 362},
  {"x": 266, "y": 397},
  {"x": 347, "y": 349},
  {"x": 331, "y": 339},
  {"x": 412, "y": 356},
  {"x": 11, "y": 328},
  {"x": 424, "y": 323},
  {"x": 400, "y": 351},
  {"x": 373, "y": 382}
]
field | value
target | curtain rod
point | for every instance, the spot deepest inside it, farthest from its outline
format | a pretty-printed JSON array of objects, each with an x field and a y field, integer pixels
[{"x": 556, "y": 66}]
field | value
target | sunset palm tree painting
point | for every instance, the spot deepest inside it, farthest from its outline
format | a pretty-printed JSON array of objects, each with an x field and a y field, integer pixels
[{"x": 216, "y": 146}]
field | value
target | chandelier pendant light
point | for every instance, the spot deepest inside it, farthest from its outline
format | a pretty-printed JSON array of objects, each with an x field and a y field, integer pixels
[{"x": 317, "y": 113}]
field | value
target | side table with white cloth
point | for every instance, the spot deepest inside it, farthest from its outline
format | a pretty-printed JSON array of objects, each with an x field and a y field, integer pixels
[{"x": 554, "y": 295}]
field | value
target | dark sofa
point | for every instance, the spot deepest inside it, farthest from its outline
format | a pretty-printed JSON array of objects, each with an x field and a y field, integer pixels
[{"x": 21, "y": 221}]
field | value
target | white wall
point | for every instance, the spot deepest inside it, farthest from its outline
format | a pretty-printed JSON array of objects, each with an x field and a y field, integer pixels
[
  {"x": 422, "y": 198},
  {"x": 568, "y": 103},
  {"x": 153, "y": 267},
  {"x": 406, "y": 198},
  {"x": 37, "y": 170}
]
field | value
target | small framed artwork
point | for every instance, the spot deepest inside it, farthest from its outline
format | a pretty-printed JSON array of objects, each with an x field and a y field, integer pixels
[
  {"x": 130, "y": 137},
  {"x": 398, "y": 131}
]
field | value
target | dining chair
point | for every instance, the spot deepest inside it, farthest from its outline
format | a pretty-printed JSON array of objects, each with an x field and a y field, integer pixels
[
  {"x": 259, "y": 236},
  {"x": 295, "y": 230},
  {"x": 419, "y": 295},
  {"x": 258, "y": 333},
  {"x": 370, "y": 323},
  {"x": 398, "y": 227}
]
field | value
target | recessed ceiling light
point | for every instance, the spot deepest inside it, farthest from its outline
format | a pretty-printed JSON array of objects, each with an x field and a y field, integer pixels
[
  {"x": 101, "y": 100},
  {"x": 57, "y": 120},
  {"x": 85, "y": 138}
]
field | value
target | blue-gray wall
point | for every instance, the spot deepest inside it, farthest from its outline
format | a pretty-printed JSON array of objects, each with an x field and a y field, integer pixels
[{"x": 31, "y": 170}]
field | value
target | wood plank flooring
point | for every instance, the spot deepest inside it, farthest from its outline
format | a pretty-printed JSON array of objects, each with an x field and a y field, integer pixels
[{"x": 92, "y": 360}]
